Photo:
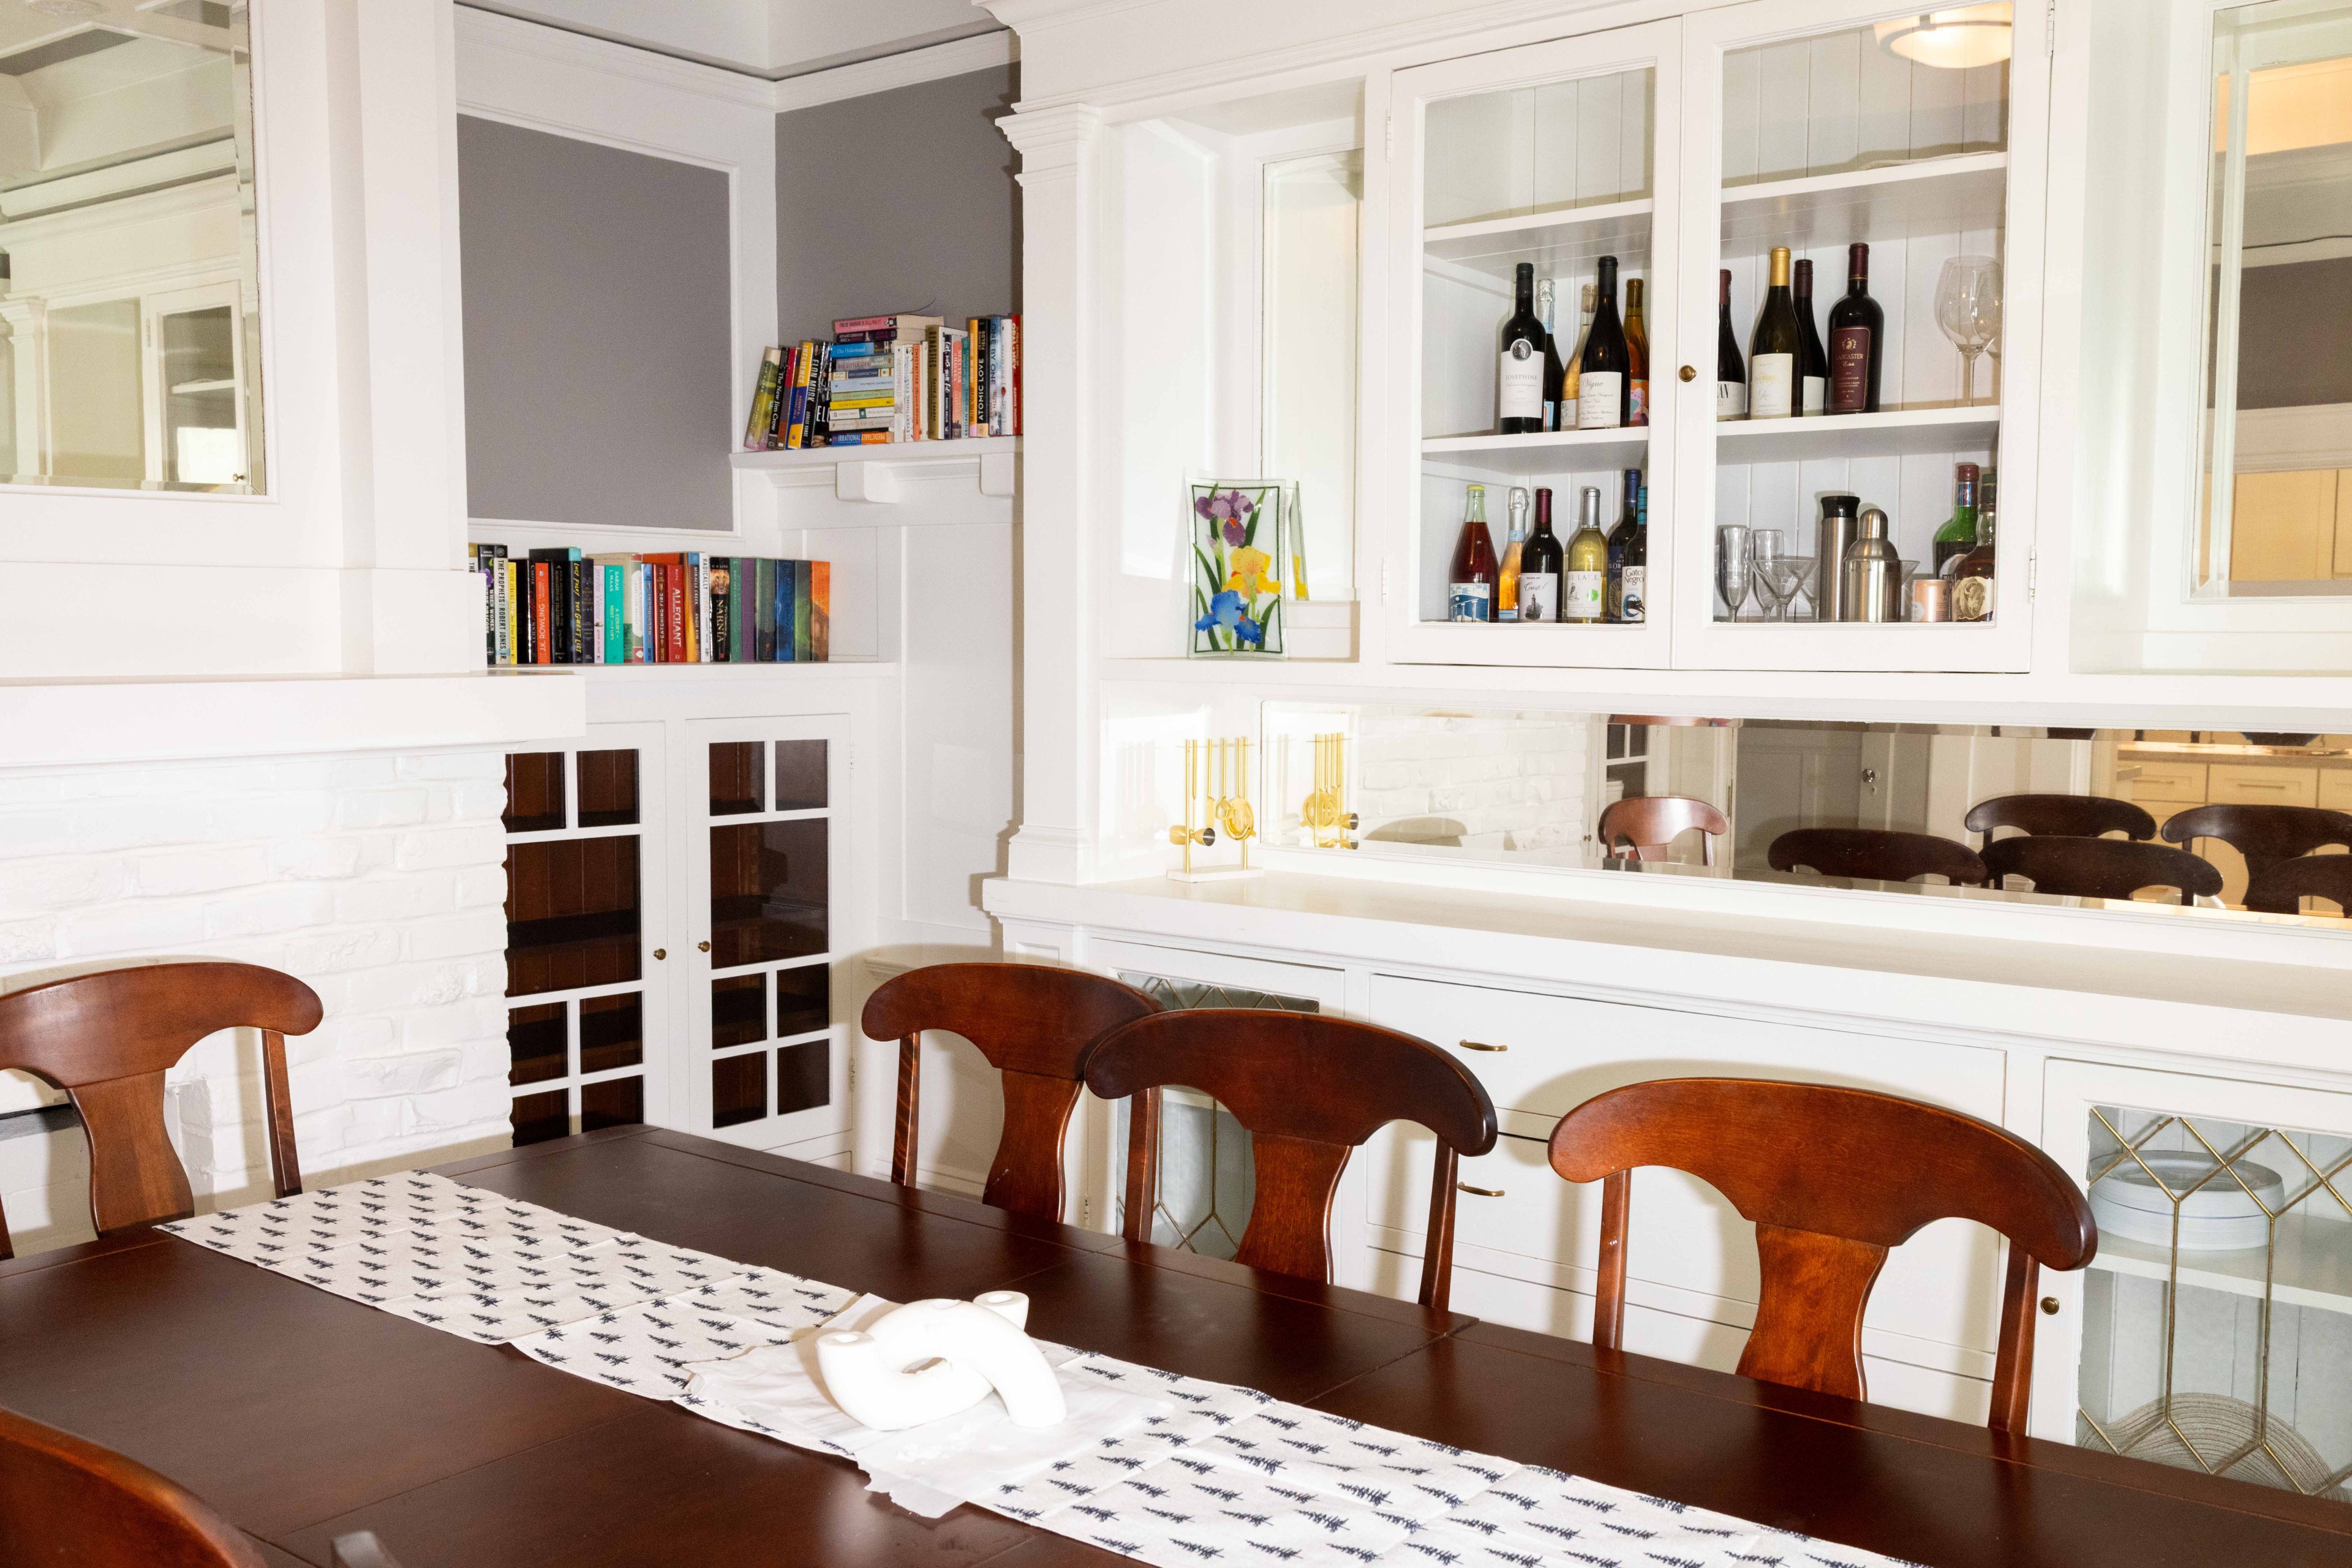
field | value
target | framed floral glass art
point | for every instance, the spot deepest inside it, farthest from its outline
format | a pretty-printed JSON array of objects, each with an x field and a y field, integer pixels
[{"x": 1246, "y": 562}]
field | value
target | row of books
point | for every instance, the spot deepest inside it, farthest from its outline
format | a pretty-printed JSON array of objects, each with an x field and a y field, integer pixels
[
  {"x": 557, "y": 606},
  {"x": 890, "y": 378}
]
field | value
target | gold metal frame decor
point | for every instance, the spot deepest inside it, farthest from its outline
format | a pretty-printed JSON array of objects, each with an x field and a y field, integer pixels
[
  {"x": 1216, "y": 781},
  {"x": 1325, "y": 810}
]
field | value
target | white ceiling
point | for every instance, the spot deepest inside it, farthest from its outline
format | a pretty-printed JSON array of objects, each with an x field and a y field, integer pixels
[{"x": 771, "y": 39}]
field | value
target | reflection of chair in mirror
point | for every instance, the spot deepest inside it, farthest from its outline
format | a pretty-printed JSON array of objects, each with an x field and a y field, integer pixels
[
  {"x": 2101, "y": 868},
  {"x": 2072, "y": 816},
  {"x": 2264, "y": 835},
  {"x": 2282, "y": 887},
  {"x": 1875, "y": 854},
  {"x": 1649, "y": 824}
]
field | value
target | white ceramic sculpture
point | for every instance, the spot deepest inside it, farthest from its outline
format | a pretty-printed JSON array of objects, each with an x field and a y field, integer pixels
[{"x": 932, "y": 1359}]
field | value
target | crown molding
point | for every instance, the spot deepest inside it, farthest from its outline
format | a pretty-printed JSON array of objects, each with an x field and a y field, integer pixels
[
  {"x": 982, "y": 51},
  {"x": 492, "y": 29}
]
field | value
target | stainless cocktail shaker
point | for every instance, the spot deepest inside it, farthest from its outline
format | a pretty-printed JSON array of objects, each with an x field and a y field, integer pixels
[
  {"x": 1870, "y": 583},
  {"x": 1836, "y": 531}
]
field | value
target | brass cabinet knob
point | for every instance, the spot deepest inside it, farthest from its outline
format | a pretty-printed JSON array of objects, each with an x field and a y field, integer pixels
[
  {"x": 1479, "y": 1191},
  {"x": 661, "y": 952},
  {"x": 2050, "y": 1305},
  {"x": 1689, "y": 374},
  {"x": 702, "y": 947}
]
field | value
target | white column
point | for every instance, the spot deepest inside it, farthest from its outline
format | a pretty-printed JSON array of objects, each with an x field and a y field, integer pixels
[
  {"x": 27, "y": 320},
  {"x": 1061, "y": 747}
]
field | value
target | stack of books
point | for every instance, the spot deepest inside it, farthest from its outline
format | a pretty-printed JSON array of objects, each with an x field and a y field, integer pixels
[
  {"x": 557, "y": 606},
  {"x": 890, "y": 378}
]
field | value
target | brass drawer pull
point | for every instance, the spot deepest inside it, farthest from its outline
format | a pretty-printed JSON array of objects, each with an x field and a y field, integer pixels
[
  {"x": 1479, "y": 1191},
  {"x": 1478, "y": 1046}
]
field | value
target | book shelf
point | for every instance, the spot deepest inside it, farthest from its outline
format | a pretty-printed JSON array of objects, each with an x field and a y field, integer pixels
[{"x": 872, "y": 473}]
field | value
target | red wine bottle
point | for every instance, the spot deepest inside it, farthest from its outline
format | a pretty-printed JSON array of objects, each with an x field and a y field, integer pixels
[
  {"x": 1813, "y": 366},
  {"x": 1519, "y": 372},
  {"x": 1602, "y": 373},
  {"x": 1730, "y": 373},
  {"x": 1856, "y": 327}
]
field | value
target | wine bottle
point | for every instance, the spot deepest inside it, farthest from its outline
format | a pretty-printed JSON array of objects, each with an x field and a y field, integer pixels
[
  {"x": 1730, "y": 376},
  {"x": 1569, "y": 384},
  {"x": 1637, "y": 357},
  {"x": 1772, "y": 348},
  {"x": 1472, "y": 589},
  {"x": 1610, "y": 600},
  {"x": 1857, "y": 326},
  {"x": 1972, "y": 575},
  {"x": 1588, "y": 554},
  {"x": 1539, "y": 566},
  {"x": 1960, "y": 532},
  {"x": 1634, "y": 578},
  {"x": 1507, "y": 579},
  {"x": 1520, "y": 370},
  {"x": 1601, "y": 370},
  {"x": 1555, "y": 374},
  {"x": 1812, "y": 365}
]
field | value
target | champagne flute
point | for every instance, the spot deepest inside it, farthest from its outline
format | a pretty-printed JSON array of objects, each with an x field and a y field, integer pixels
[
  {"x": 1733, "y": 567},
  {"x": 1764, "y": 553},
  {"x": 1968, "y": 306}
]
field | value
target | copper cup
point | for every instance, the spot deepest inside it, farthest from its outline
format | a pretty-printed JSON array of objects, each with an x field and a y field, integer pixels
[{"x": 1931, "y": 599}]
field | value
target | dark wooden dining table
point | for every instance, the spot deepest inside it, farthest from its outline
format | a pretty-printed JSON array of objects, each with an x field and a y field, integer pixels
[{"x": 302, "y": 1416}]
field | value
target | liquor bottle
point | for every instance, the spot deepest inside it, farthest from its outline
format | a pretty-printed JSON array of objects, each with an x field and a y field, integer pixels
[
  {"x": 1520, "y": 370},
  {"x": 1601, "y": 369},
  {"x": 1588, "y": 561},
  {"x": 1972, "y": 575},
  {"x": 1956, "y": 536},
  {"x": 1569, "y": 383},
  {"x": 1634, "y": 589},
  {"x": 1637, "y": 357},
  {"x": 1539, "y": 566},
  {"x": 1555, "y": 374},
  {"x": 1610, "y": 602},
  {"x": 1857, "y": 326},
  {"x": 1506, "y": 580},
  {"x": 1471, "y": 590},
  {"x": 1772, "y": 348},
  {"x": 1813, "y": 366},
  {"x": 1730, "y": 376}
]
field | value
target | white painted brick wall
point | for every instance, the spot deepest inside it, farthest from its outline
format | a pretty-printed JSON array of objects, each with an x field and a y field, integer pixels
[
  {"x": 378, "y": 880},
  {"x": 1494, "y": 781}
]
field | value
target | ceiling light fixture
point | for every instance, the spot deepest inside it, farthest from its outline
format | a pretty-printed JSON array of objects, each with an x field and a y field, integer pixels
[{"x": 1954, "y": 37}]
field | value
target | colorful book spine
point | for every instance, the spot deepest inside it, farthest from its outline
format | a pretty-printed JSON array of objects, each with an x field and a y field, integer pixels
[
  {"x": 758, "y": 429},
  {"x": 802, "y": 582},
  {"x": 820, "y": 575}
]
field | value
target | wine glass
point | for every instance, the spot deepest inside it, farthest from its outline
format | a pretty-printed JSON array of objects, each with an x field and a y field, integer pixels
[
  {"x": 1733, "y": 567},
  {"x": 1765, "y": 555},
  {"x": 1968, "y": 306}
]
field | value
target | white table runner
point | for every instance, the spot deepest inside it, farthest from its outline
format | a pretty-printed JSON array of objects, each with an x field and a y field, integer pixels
[{"x": 1231, "y": 1475}]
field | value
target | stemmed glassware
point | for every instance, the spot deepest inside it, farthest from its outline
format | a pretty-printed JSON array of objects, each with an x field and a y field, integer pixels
[
  {"x": 1734, "y": 567},
  {"x": 1968, "y": 306},
  {"x": 1778, "y": 577}
]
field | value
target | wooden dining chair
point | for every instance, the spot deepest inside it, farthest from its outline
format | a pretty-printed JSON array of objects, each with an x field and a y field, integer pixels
[
  {"x": 2071, "y": 815},
  {"x": 2102, "y": 867},
  {"x": 1033, "y": 1024},
  {"x": 1651, "y": 822},
  {"x": 66, "y": 1501},
  {"x": 2264, "y": 835},
  {"x": 1309, "y": 1088},
  {"x": 2284, "y": 884},
  {"x": 107, "y": 1039},
  {"x": 1832, "y": 1178},
  {"x": 1877, "y": 854}
]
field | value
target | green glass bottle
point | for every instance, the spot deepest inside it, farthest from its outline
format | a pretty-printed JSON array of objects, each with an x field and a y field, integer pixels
[{"x": 1959, "y": 536}]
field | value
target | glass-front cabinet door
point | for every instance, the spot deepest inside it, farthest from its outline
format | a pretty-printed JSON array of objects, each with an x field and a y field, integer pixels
[
  {"x": 762, "y": 1062},
  {"x": 1863, "y": 438},
  {"x": 1536, "y": 171}
]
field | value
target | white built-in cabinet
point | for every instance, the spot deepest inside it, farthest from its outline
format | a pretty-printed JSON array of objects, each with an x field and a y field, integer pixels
[{"x": 1683, "y": 147}]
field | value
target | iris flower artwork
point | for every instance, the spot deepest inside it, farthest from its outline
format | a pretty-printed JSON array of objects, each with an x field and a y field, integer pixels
[{"x": 1238, "y": 531}]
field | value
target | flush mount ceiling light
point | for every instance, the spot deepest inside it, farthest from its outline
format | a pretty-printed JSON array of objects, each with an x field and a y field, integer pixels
[{"x": 1953, "y": 38}]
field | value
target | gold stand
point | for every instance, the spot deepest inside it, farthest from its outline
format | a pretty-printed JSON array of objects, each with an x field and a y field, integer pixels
[
  {"x": 1217, "y": 774},
  {"x": 1325, "y": 810}
]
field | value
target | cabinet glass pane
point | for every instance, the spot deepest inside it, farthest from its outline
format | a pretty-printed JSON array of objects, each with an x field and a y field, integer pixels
[
  {"x": 534, "y": 792},
  {"x": 573, "y": 914},
  {"x": 2217, "y": 1333},
  {"x": 2276, "y": 506},
  {"x": 1564, "y": 144},
  {"x": 766, "y": 891},
  {"x": 737, "y": 1002},
  {"x": 202, "y": 446},
  {"x": 1852, "y": 100},
  {"x": 608, "y": 789},
  {"x": 804, "y": 1000},
  {"x": 735, "y": 768},
  {"x": 537, "y": 1046},
  {"x": 615, "y": 1102},
  {"x": 537, "y": 1118},
  {"x": 611, "y": 1032},
  {"x": 800, "y": 775},
  {"x": 739, "y": 1088},
  {"x": 804, "y": 1077}
]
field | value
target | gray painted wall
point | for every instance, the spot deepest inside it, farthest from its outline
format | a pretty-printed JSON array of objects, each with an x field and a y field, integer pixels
[
  {"x": 598, "y": 333},
  {"x": 899, "y": 201},
  {"x": 2294, "y": 334}
]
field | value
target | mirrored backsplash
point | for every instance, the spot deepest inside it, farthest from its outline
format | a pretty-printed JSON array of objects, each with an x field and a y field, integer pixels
[{"x": 2202, "y": 820}]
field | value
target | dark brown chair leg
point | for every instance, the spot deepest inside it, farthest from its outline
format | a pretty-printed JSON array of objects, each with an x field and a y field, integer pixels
[
  {"x": 910, "y": 1098},
  {"x": 1609, "y": 1293},
  {"x": 2012, "y": 1372},
  {"x": 1142, "y": 1163},
  {"x": 1437, "y": 1253},
  {"x": 284, "y": 1163}
]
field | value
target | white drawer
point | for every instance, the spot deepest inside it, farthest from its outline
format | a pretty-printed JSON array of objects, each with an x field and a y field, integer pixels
[
  {"x": 2237, "y": 783},
  {"x": 2336, "y": 788},
  {"x": 2169, "y": 781}
]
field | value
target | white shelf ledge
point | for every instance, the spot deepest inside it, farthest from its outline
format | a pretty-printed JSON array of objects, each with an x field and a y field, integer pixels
[
  {"x": 875, "y": 472},
  {"x": 1965, "y": 190},
  {"x": 1551, "y": 239},
  {"x": 1547, "y": 452},
  {"x": 1904, "y": 432},
  {"x": 2314, "y": 1264}
]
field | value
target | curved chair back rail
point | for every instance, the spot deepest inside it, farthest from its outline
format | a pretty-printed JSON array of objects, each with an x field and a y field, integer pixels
[
  {"x": 64, "y": 1500},
  {"x": 2071, "y": 815},
  {"x": 1033, "y": 1024},
  {"x": 1309, "y": 1088},
  {"x": 107, "y": 1039},
  {"x": 2264, "y": 835},
  {"x": 1832, "y": 1178},
  {"x": 1876, "y": 853},
  {"x": 2283, "y": 885},
  {"x": 1651, "y": 822},
  {"x": 2102, "y": 867}
]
